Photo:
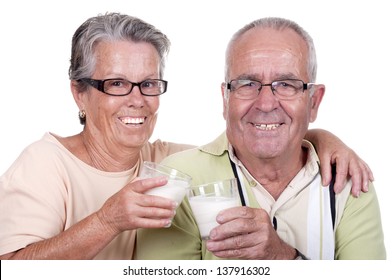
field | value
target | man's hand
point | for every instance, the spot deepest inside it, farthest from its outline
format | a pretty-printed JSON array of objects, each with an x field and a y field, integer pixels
[{"x": 247, "y": 233}]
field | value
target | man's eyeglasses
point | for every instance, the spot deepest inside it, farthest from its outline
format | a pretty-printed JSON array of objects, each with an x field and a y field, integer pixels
[
  {"x": 282, "y": 89},
  {"x": 121, "y": 87}
]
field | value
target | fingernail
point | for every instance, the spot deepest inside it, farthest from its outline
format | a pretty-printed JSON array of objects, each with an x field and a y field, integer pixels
[
  {"x": 161, "y": 179},
  {"x": 219, "y": 218},
  {"x": 366, "y": 187},
  {"x": 169, "y": 222},
  {"x": 210, "y": 246}
]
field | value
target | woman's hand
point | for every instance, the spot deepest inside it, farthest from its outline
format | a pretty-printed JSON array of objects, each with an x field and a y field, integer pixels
[
  {"x": 130, "y": 208},
  {"x": 331, "y": 150}
]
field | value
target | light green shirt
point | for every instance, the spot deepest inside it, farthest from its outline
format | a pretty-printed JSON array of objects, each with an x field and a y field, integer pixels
[{"x": 357, "y": 233}]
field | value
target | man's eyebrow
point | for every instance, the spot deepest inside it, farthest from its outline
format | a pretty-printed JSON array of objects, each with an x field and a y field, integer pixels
[
  {"x": 248, "y": 77},
  {"x": 286, "y": 76},
  {"x": 277, "y": 77}
]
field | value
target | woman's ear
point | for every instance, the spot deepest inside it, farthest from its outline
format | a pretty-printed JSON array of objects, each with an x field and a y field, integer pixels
[{"x": 77, "y": 94}]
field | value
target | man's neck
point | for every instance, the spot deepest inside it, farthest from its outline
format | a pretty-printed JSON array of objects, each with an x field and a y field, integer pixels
[{"x": 275, "y": 174}]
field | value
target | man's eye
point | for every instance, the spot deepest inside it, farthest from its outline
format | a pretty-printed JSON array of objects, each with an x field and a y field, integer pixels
[
  {"x": 282, "y": 84},
  {"x": 285, "y": 84},
  {"x": 246, "y": 83}
]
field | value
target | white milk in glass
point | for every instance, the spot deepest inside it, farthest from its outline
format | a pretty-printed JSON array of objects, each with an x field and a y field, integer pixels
[
  {"x": 174, "y": 189},
  {"x": 205, "y": 210}
]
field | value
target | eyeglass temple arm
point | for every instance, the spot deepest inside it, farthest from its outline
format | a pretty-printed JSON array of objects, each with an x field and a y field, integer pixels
[{"x": 308, "y": 85}]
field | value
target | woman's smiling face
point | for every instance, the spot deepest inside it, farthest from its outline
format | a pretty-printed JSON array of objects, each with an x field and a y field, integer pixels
[{"x": 122, "y": 121}]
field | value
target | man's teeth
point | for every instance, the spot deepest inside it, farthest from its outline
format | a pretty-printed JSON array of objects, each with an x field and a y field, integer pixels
[
  {"x": 130, "y": 120},
  {"x": 267, "y": 126}
]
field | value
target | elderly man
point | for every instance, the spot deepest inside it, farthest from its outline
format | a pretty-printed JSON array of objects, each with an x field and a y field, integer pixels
[{"x": 270, "y": 97}]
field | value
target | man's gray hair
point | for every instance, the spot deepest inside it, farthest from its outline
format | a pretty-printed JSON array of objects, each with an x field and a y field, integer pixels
[{"x": 278, "y": 24}]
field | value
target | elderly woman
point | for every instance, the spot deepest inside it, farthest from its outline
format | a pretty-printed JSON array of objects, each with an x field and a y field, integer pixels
[{"x": 75, "y": 197}]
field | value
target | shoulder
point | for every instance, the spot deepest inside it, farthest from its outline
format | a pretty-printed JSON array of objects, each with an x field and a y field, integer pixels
[
  {"x": 47, "y": 143},
  {"x": 366, "y": 200},
  {"x": 201, "y": 166},
  {"x": 186, "y": 161},
  {"x": 43, "y": 148},
  {"x": 209, "y": 152},
  {"x": 363, "y": 209},
  {"x": 40, "y": 156},
  {"x": 158, "y": 150}
]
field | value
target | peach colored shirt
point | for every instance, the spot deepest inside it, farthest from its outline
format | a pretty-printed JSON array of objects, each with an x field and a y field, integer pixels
[{"x": 47, "y": 190}]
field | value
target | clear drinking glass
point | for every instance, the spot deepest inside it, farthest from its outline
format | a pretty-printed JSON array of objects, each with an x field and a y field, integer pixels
[
  {"x": 177, "y": 185},
  {"x": 209, "y": 199}
]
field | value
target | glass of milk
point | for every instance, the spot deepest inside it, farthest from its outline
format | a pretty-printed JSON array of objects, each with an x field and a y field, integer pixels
[
  {"x": 209, "y": 199},
  {"x": 176, "y": 186}
]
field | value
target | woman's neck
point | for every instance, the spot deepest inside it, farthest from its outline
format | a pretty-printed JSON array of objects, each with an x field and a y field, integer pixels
[{"x": 97, "y": 155}]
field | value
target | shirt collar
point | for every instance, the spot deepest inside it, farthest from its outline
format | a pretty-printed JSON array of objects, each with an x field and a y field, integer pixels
[
  {"x": 221, "y": 144},
  {"x": 217, "y": 147}
]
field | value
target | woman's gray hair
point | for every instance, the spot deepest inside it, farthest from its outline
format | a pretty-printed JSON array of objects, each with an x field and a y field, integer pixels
[
  {"x": 111, "y": 27},
  {"x": 277, "y": 24}
]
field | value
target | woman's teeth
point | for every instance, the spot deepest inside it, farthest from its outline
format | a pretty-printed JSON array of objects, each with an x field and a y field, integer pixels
[{"x": 129, "y": 120}]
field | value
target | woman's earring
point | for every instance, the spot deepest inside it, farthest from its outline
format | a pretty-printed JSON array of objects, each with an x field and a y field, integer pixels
[
  {"x": 82, "y": 114},
  {"x": 82, "y": 117}
]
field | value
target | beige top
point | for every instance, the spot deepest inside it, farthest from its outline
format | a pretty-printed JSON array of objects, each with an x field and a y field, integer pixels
[{"x": 48, "y": 189}]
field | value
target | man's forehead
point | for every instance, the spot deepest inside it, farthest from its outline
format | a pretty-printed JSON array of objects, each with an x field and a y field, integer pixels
[{"x": 269, "y": 38}]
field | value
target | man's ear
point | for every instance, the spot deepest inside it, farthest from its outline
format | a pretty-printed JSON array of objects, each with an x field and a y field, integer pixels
[
  {"x": 224, "y": 99},
  {"x": 315, "y": 99}
]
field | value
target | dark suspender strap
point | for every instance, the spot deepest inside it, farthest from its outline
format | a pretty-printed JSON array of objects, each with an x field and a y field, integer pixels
[
  {"x": 332, "y": 195},
  {"x": 238, "y": 181},
  {"x": 275, "y": 223}
]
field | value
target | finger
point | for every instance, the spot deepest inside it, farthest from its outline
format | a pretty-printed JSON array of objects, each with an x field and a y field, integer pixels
[
  {"x": 369, "y": 172},
  {"x": 249, "y": 220},
  {"x": 151, "y": 217},
  {"x": 233, "y": 242},
  {"x": 146, "y": 200},
  {"x": 152, "y": 223},
  {"x": 341, "y": 175},
  {"x": 154, "y": 213},
  {"x": 366, "y": 177},
  {"x": 325, "y": 166},
  {"x": 143, "y": 185},
  {"x": 233, "y": 213},
  {"x": 125, "y": 210},
  {"x": 246, "y": 246},
  {"x": 229, "y": 229},
  {"x": 356, "y": 186},
  {"x": 228, "y": 254},
  {"x": 243, "y": 253}
]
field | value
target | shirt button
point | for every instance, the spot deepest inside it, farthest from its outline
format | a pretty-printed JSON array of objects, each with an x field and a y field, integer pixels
[{"x": 253, "y": 184}]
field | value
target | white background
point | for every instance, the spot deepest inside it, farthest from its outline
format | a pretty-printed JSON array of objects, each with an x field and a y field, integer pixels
[{"x": 352, "y": 40}]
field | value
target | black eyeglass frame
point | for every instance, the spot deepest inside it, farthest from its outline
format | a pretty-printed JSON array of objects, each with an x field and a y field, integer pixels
[
  {"x": 305, "y": 86},
  {"x": 99, "y": 85}
]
